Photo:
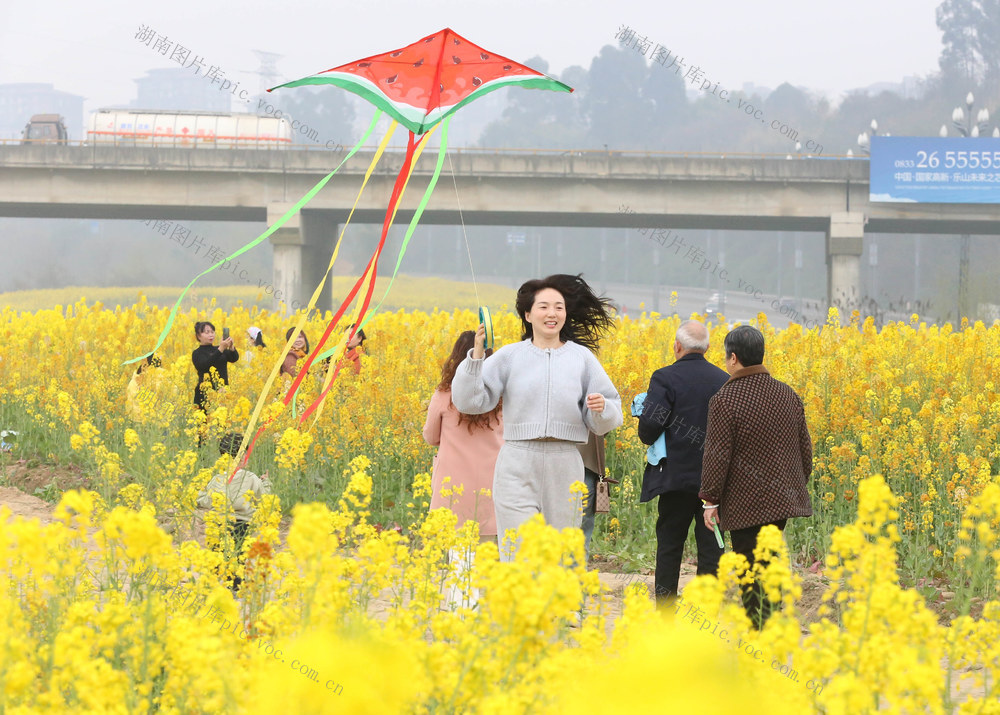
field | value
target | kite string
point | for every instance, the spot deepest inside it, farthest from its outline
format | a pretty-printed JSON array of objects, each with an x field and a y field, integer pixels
[{"x": 461, "y": 218}]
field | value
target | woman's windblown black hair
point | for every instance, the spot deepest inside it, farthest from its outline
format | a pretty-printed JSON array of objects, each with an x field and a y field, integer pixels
[{"x": 588, "y": 317}]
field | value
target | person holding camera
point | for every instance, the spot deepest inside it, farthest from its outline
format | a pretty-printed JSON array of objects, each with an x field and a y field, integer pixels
[{"x": 207, "y": 357}]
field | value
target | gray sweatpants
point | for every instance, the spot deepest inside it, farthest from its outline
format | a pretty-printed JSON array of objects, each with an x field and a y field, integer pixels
[{"x": 534, "y": 477}]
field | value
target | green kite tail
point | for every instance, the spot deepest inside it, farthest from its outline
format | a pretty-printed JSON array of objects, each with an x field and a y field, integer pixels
[
  {"x": 277, "y": 224},
  {"x": 409, "y": 231}
]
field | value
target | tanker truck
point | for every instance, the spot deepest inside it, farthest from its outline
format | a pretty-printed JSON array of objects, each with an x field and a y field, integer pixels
[{"x": 141, "y": 127}]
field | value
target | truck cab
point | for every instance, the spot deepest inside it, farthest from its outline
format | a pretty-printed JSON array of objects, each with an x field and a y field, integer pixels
[{"x": 45, "y": 129}]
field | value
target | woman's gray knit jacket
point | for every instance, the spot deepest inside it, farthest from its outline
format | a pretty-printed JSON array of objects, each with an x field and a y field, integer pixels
[{"x": 544, "y": 391}]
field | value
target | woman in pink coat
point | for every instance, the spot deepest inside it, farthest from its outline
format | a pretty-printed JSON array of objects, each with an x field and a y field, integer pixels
[
  {"x": 468, "y": 446},
  {"x": 467, "y": 449}
]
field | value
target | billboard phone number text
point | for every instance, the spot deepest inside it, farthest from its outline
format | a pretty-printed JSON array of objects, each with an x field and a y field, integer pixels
[{"x": 952, "y": 160}]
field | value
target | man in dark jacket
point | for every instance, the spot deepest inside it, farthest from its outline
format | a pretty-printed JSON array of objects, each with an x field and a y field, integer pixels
[
  {"x": 758, "y": 455},
  {"x": 676, "y": 406}
]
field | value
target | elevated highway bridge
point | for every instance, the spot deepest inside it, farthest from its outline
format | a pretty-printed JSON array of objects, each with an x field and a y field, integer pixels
[{"x": 514, "y": 188}]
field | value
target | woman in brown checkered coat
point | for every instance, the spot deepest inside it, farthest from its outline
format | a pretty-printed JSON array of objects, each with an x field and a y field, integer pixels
[{"x": 758, "y": 455}]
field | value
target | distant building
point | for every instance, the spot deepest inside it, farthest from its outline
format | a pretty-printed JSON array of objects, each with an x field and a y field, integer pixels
[
  {"x": 912, "y": 87},
  {"x": 749, "y": 89},
  {"x": 179, "y": 88},
  {"x": 19, "y": 101}
]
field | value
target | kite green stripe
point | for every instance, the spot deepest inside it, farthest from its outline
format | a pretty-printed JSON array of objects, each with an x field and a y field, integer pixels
[
  {"x": 409, "y": 231},
  {"x": 277, "y": 224},
  {"x": 415, "y": 119}
]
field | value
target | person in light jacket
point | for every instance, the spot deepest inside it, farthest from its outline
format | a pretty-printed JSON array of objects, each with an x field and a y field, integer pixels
[
  {"x": 554, "y": 392},
  {"x": 237, "y": 509}
]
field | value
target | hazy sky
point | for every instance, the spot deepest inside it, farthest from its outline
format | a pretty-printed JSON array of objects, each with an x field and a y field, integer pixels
[{"x": 90, "y": 48}]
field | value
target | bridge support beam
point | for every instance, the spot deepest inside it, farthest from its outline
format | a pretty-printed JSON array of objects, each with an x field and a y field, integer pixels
[
  {"x": 844, "y": 241},
  {"x": 302, "y": 248},
  {"x": 319, "y": 236},
  {"x": 288, "y": 243}
]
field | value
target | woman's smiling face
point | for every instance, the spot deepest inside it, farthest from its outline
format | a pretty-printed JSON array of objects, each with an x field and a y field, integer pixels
[{"x": 547, "y": 315}]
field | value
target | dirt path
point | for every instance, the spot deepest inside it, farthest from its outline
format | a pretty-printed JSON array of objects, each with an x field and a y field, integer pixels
[{"x": 21, "y": 504}]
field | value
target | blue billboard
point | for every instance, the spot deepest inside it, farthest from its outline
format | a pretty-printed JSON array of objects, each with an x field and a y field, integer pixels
[{"x": 932, "y": 170}]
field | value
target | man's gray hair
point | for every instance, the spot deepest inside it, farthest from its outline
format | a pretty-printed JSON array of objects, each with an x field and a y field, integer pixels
[{"x": 692, "y": 335}]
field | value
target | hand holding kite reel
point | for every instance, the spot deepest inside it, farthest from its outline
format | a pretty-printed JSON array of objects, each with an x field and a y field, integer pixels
[{"x": 487, "y": 322}]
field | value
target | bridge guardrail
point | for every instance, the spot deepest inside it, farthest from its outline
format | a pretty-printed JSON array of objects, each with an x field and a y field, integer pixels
[{"x": 513, "y": 151}]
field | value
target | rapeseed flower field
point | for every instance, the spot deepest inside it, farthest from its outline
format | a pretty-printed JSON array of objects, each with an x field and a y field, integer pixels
[{"x": 341, "y": 609}]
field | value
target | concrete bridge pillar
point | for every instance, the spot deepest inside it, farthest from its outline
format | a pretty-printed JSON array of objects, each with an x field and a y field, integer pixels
[
  {"x": 319, "y": 236},
  {"x": 288, "y": 242},
  {"x": 844, "y": 241},
  {"x": 302, "y": 250}
]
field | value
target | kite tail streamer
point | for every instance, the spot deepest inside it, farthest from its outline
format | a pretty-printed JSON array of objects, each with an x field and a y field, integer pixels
[
  {"x": 318, "y": 355},
  {"x": 413, "y": 149},
  {"x": 401, "y": 180},
  {"x": 338, "y": 350},
  {"x": 246, "y": 445},
  {"x": 405, "y": 172},
  {"x": 416, "y": 216},
  {"x": 291, "y": 391},
  {"x": 421, "y": 143},
  {"x": 271, "y": 229}
]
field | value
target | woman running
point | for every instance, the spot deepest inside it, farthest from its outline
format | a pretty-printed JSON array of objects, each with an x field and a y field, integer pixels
[{"x": 554, "y": 393}]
